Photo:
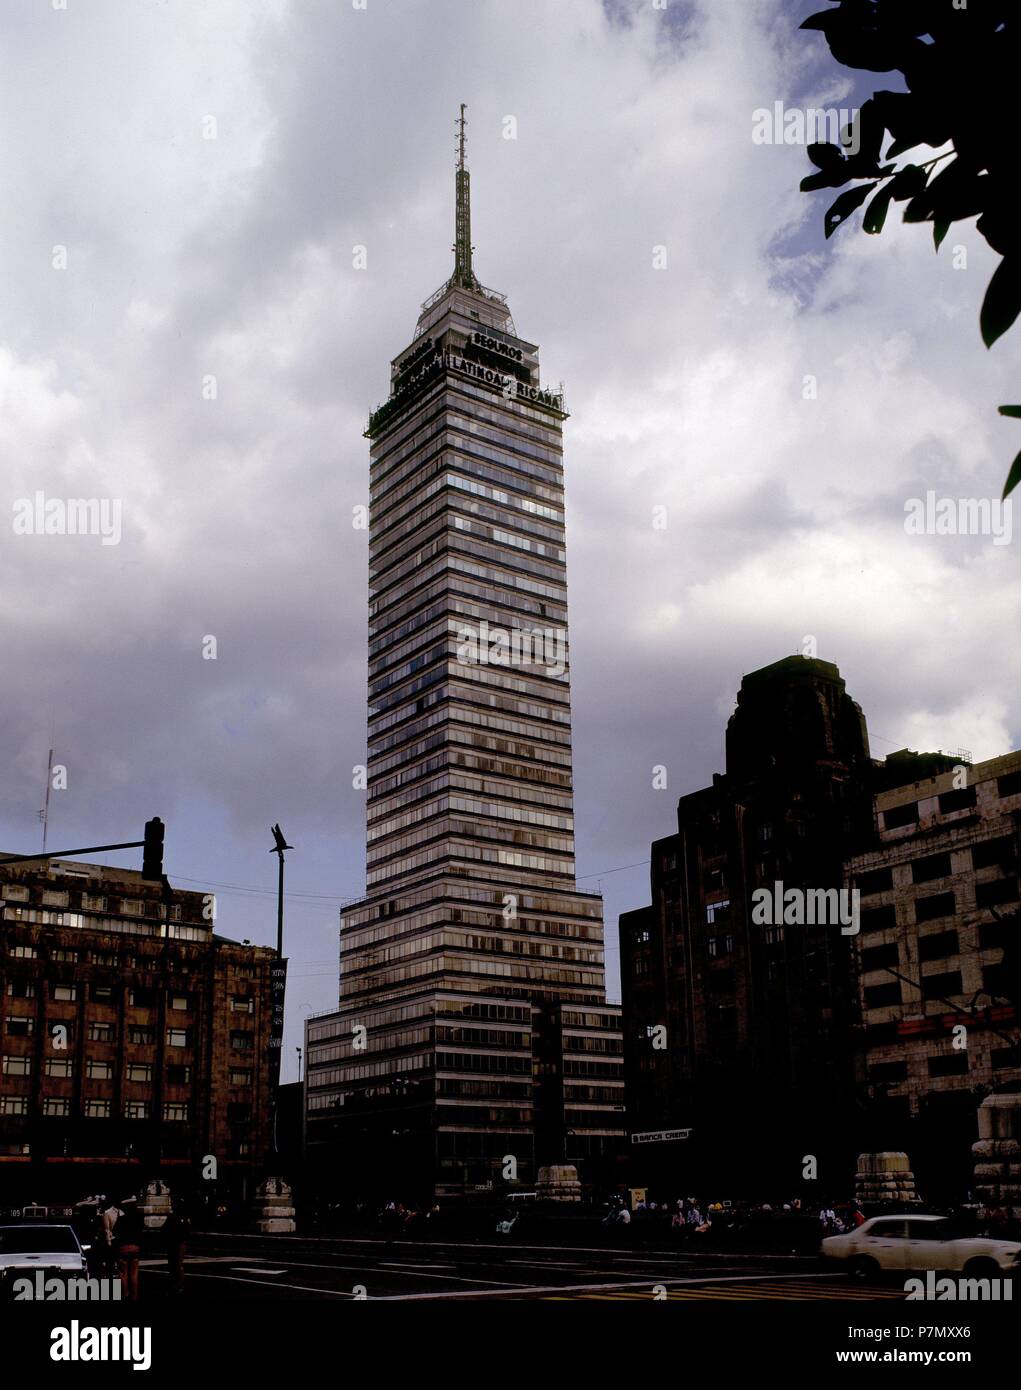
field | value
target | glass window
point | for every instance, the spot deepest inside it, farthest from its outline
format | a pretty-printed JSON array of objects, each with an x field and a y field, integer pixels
[
  {"x": 931, "y": 867},
  {"x": 939, "y": 905}
]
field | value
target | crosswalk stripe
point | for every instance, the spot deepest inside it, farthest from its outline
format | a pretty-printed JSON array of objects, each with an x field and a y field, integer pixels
[{"x": 801, "y": 1291}]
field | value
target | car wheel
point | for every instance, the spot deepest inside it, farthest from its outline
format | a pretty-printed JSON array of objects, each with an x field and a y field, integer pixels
[
  {"x": 863, "y": 1268},
  {"x": 982, "y": 1269}
]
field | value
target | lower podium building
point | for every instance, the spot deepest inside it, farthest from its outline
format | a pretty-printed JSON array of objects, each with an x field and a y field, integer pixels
[{"x": 473, "y": 1045}]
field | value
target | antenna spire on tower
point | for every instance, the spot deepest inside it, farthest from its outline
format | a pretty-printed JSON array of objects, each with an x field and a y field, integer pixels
[{"x": 463, "y": 273}]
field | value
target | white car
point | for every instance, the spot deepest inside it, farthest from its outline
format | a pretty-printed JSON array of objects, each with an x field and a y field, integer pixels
[
  {"x": 53, "y": 1249},
  {"x": 908, "y": 1243}
]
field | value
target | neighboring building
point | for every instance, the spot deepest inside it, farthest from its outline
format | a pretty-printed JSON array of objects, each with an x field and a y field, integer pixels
[
  {"x": 744, "y": 1033},
  {"x": 134, "y": 1041},
  {"x": 473, "y": 966},
  {"x": 939, "y": 902}
]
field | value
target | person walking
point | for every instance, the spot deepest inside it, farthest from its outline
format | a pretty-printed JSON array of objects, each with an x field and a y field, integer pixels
[
  {"x": 109, "y": 1215},
  {"x": 127, "y": 1244},
  {"x": 176, "y": 1230}
]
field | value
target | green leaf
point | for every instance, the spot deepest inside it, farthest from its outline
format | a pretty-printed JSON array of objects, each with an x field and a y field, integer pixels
[
  {"x": 1002, "y": 302},
  {"x": 900, "y": 147},
  {"x": 1013, "y": 477},
  {"x": 908, "y": 182},
  {"x": 939, "y": 231},
  {"x": 1014, "y": 411},
  {"x": 825, "y": 178},
  {"x": 875, "y": 213},
  {"x": 847, "y": 202},
  {"x": 824, "y": 155}
]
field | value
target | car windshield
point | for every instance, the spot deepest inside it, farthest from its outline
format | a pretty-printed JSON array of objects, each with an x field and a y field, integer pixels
[{"x": 24, "y": 1240}]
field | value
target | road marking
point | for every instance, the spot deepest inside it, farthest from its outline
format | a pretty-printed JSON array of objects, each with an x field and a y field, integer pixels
[
  {"x": 298, "y": 1288},
  {"x": 391, "y": 1264},
  {"x": 365, "y": 1272},
  {"x": 645, "y": 1286},
  {"x": 440, "y": 1244},
  {"x": 240, "y": 1269},
  {"x": 743, "y": 1291}
]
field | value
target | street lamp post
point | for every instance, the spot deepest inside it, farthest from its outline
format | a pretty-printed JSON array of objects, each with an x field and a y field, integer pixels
[{"x": 278, "y": 849}]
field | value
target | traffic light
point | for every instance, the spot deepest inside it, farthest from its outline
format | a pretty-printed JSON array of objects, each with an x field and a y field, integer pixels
[{"x": 152, "y": 850}]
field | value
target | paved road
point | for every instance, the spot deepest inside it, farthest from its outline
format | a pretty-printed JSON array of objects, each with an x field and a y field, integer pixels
[{"x": 293, "y": 1267}]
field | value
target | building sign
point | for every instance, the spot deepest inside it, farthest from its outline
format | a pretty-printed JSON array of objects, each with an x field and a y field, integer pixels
[
  {"x": 660, "y": 1136},
  {"x": 422, "y": 370},
  {"x": 503, "y": 383},
  {"x": 277, "y": 986},
  {"x": 494, "y": 345}
]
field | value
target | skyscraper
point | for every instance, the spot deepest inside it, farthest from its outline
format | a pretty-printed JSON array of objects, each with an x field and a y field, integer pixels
[{"x": 473, "y": 1041}]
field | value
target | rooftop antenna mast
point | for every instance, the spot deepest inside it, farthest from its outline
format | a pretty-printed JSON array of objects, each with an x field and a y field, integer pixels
[
  {"x": 44, "y": 814},
  {"x": 463, "y": 273}
]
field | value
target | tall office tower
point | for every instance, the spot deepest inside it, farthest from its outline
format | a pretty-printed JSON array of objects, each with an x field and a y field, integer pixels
[
  {"x": 755, "y": 1016},
  {"x": 473, "y": 1041}
]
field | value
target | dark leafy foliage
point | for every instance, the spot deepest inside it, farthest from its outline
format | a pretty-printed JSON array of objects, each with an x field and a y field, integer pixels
[{"x": 960, "y": 61}]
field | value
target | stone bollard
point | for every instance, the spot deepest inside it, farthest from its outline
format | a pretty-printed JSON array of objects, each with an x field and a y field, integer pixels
[
  {"x": 155, "y": 1204},
  {"x": 558, "y": 1183},
  {"x": 274, "y": 1214},
  {"x": 997, "y": 1153},
  {"x": 884, "y": 1177}
]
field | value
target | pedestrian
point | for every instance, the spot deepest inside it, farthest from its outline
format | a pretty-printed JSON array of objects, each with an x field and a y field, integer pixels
[
  {"x": 109, "y": 1215},
  {"x": 176, "y": 1230},
  {"x": 127, "y": 1244}
]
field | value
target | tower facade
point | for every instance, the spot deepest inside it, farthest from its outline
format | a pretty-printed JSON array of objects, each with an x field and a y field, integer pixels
[{"x": 473, "y": 1040}]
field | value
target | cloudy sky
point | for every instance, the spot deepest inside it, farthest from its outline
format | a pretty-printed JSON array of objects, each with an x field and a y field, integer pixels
[{"x": 208, "y": 171}]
